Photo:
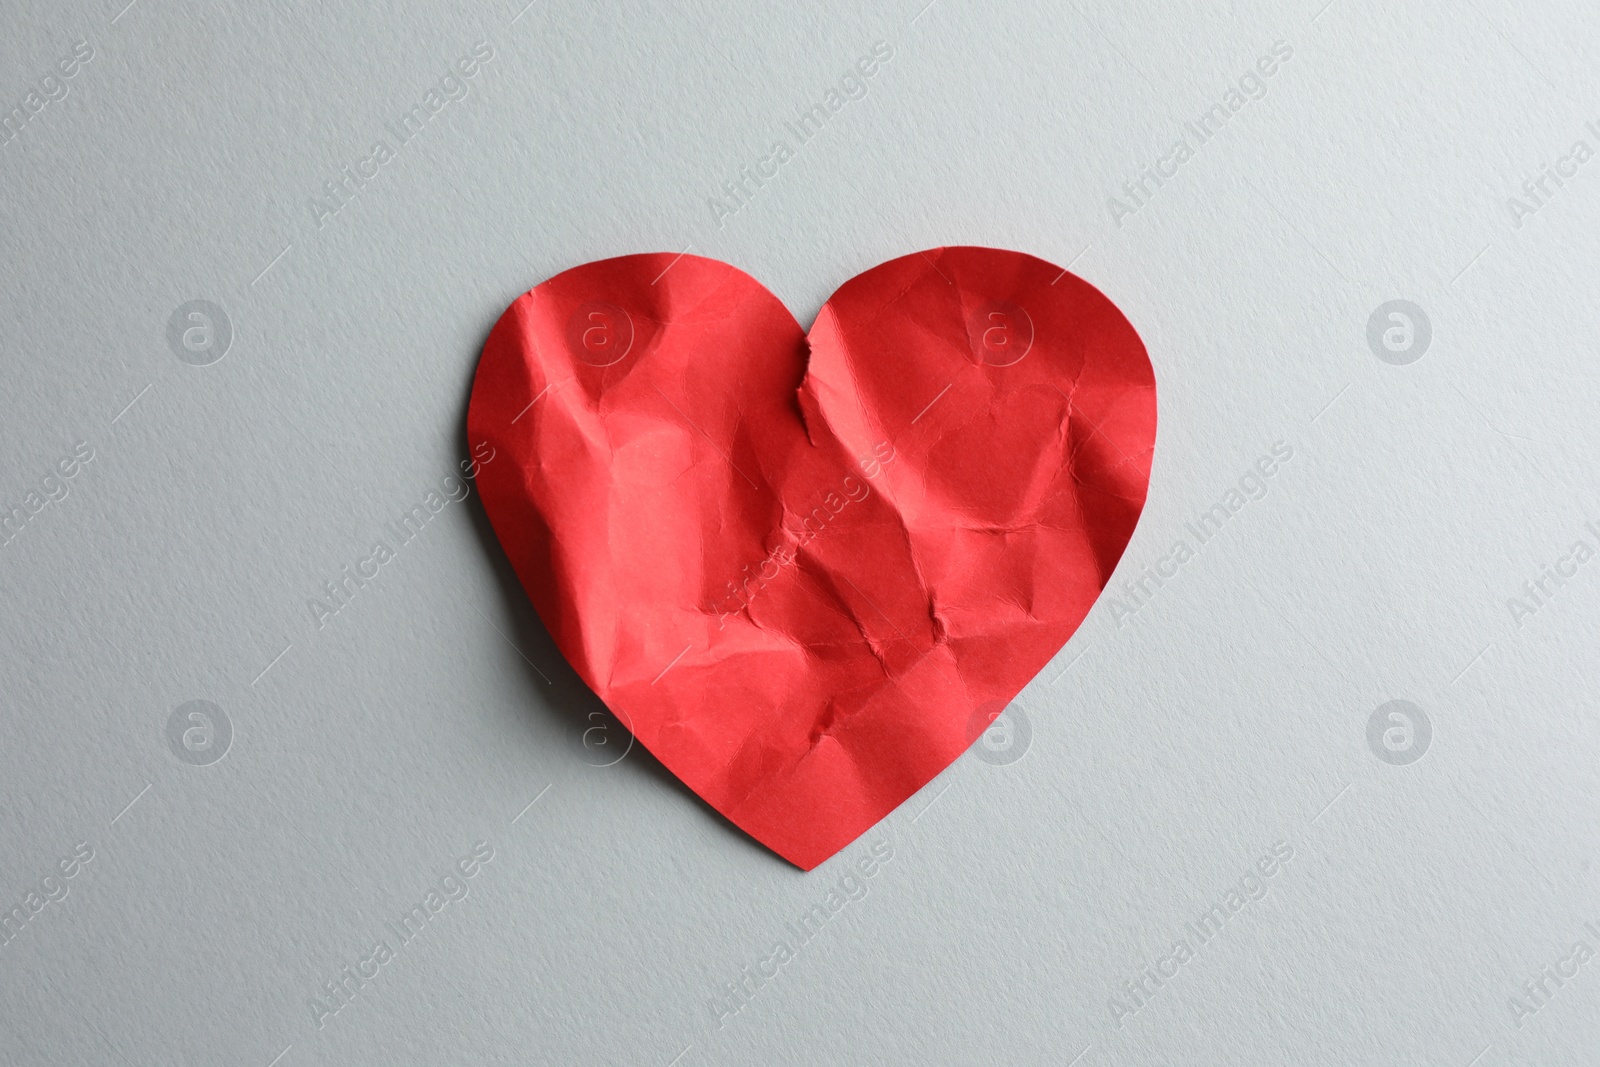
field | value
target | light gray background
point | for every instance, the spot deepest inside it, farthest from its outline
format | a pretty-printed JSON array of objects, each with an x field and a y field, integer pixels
[{"x": 1167, "y": 753}]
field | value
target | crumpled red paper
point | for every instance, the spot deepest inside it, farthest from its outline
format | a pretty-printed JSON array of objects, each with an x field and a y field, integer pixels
[{"x": 798, "y": 565}]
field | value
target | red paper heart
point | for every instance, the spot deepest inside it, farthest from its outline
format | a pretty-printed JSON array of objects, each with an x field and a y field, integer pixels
[{"x": 797, "y": 565}]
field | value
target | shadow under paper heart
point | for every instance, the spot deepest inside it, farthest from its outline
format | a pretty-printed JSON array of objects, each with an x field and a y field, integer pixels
[{"x": 554, "y": 689}]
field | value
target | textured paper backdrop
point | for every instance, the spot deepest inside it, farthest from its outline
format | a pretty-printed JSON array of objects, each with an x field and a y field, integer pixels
[{"x": 254, "y": 374}]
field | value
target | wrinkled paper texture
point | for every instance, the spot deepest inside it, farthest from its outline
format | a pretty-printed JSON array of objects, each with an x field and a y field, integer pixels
[{"x": 808, "y": 570}]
